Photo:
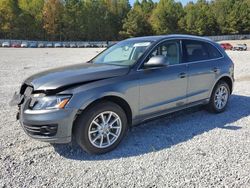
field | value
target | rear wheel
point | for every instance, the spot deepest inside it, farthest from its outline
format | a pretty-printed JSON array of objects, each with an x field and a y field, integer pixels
[
  {"x": 219, "y": 97},
  {"x": 101, "y": 127}
]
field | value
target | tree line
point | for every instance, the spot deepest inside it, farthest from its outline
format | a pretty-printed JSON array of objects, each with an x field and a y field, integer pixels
[{"x": 117, "y": 19}]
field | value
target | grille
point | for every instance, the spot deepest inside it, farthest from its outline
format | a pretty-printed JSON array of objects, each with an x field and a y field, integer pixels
[{"x": 41, "y": 130}]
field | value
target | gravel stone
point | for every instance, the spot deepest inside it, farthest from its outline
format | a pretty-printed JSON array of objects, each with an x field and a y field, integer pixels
[{"x": 190, "y": 148}]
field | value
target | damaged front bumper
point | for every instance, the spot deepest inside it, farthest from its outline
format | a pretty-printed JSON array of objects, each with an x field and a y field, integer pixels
[{"x": 54, "y": 126}]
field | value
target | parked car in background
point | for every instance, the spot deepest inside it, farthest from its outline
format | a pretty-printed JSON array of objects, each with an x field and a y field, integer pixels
[
  {"x": 72, "y": 45},
  {"x": 104, "y": 45},
  {"x": 240, "y": 47},
  {"x": 41, "y": 45},
  {"x": 99, "y": 45},
  {"x": 131, "y": 82},
  {"x": 58, "y": 45},
  {"x": 66, "y": 45},
  {"x": 94, "y": 45},
  {"x": 24, "y": 45},
  {"x": 88, "y": 45},
  {"x": 226, "y": 46},
  {"x": 80, "y": 45},
  {"x": 16, "y": 45},
  {"x": 6, "y": 44},
  {"x": 33, "y": 45},
  {"x": 243, "y": 38},
  {"x": 49, "y": 45}
]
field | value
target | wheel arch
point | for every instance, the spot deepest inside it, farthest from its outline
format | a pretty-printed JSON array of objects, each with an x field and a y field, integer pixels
[
  {"x": 111, "y": 98},
  {"x": 225, "y": 78}
]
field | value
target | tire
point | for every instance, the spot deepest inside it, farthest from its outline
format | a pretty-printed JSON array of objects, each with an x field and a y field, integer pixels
[
  {"x": 92, "y": 135},
  {"x": 213, "y": 105}
]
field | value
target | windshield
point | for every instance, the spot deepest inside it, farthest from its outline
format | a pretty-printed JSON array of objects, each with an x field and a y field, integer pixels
[{"x": 124, "y": 53}]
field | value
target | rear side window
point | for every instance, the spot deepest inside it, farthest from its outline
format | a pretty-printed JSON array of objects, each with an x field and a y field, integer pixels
[
  {"x": 198, "y": 51},
  {"x": 212, "y": 51}
]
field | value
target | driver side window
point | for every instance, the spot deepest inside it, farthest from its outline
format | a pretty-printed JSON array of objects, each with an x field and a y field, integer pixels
[{"x": 169, "y": 49}]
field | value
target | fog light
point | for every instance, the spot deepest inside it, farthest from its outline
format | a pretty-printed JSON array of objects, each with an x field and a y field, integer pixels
[{"x": 48, "y": 130}]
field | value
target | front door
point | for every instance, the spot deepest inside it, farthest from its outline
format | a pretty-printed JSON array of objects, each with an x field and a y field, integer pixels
[{"x": 165, "y": 87}]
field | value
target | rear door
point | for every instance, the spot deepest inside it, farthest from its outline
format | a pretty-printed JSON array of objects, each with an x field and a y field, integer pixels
[{"x": 202, "y": 59}]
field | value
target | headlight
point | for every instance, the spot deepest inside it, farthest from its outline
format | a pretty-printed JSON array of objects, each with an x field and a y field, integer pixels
[{"x": 50, "y": 102}]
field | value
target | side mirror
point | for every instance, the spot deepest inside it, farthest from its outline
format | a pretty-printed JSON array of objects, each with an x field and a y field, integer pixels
[{"x": 156, "y": 61}]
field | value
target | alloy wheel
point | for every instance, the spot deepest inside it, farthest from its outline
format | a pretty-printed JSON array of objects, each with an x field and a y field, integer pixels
[
  {"x": 221, "y": 97},
  {"x": 104, "y": 129}
]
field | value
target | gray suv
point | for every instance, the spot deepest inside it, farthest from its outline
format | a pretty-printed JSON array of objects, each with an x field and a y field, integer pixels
[{"x": 132, "y": 81}]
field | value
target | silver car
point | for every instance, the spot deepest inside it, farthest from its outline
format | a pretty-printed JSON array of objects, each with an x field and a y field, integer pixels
[
  {"x": 132, "y": 81},
  {"x": 24, "y": 45},
  {"x": 58, "y": 45},
  {"x": 240, "y": 47},
  {"x": 6, "y": 44}
]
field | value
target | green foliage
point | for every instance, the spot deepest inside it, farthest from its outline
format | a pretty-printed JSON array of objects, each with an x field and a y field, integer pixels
[
  {"x": 9, "y": 11},
  {"x": 31, "y": 19},
  {"x": 199, "y": 19},
  {"x": 52, "y": 22},
  {"x": 165, "y": 17},
  {"x": 115, "y": 19},
  {"x": 137, "y": 22},
  {"x": 233, "y": 16},
  {"x": 72, "y": 20}
]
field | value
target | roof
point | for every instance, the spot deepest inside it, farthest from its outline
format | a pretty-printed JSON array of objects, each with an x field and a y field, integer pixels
[{"x": 160, "y": 37}]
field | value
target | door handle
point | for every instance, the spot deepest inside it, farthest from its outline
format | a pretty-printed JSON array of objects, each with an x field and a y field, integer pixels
[
  {"x": 215, "y": 69},
  {"x": 182, "y": 75}
]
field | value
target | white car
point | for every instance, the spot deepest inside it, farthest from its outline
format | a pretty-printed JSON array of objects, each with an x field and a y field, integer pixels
[
  {"x": 24, "y": 45},
  {"x": 58, "y": 45},
  {"x": 240, "y": 47},
  {"x": 72, "y": 45},
  {"x": 49, "y": 45},
  {"x": 6, "y": 44}
]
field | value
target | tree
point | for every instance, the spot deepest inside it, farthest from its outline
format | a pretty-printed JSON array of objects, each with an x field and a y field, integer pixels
[
  {"x": 115, "y": 19},
  {"x": 52, "y": 14},
  {"x": 117, "y": 12},
  {"x": 198, "y": 19},
  {"x": 240, "y": 16},
  {"x": 147, "y": 7},
  {"x": 137, "y": 22},
  {"x": 30, "y": 19},
  {"x": 73, "y": 27},
  {"x": 165, "y": 17},
  {"x": 9, "y": 12},
  {"x": 232, "y": 16}
]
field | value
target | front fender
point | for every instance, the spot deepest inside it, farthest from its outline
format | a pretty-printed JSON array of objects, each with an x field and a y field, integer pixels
[
  {"x": 94, "y": 98},
  {"x": 125, "y": 88}
]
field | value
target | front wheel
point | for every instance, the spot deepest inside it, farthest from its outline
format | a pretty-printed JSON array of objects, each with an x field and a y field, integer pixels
[
  {"x": 219, "y": 98},
  {"x": 101, "y": 127}
]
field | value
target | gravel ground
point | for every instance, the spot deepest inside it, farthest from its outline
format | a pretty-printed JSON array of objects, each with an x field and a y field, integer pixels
[{"x": 191, "y": 148}]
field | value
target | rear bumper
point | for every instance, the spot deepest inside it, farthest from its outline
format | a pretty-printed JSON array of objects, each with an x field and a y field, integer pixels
[{"x": 54, "y": 126}]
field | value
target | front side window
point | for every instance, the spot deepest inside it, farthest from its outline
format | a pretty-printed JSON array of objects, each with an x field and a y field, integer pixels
[
  {"x": 124, "y": 53},
  {"x": 169, "y": 49},
  {"x": 198, "y": 51}
]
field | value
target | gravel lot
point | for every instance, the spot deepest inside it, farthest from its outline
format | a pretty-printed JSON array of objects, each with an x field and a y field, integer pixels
[{"x": 191, "y": 148}]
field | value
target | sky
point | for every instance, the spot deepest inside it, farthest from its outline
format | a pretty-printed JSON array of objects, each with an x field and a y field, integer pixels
[{"x": 184, "y": 2}]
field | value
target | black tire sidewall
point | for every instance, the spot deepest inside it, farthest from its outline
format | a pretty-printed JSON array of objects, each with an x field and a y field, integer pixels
[{"x": 84, "y": 120}]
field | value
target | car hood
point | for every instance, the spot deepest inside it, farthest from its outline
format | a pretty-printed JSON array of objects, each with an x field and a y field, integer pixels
[{"x": 73, "y": 75}]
